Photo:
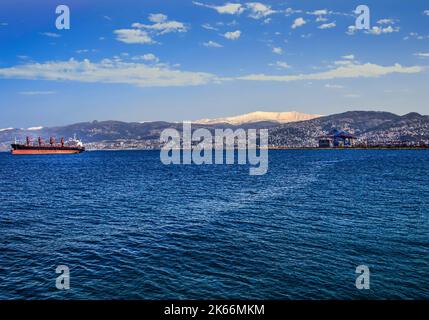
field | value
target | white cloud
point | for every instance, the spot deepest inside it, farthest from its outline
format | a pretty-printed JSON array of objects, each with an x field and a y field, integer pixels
[
  {"x": 146, "y": 57},
  {"x": 321, "y": 19},
  {"x": 157, "y": 17},
  {"x": 342, "y": 62},
  {"x": 143, "y": 33},
  {"x": 232, "y": 35},
  {"x": 259, "y": 10},
  {"x": 133, "y": 36},
  {"x": 277, "y": 50},
  {"x": 298, "y": 23},
  {"x": 422, "y": 54},
  {"x": 426, "y": 12},
  {"x": 367, "y": 70},
  {"x": 150, "y": 57},
  {"x": 50, "y": 34},
  {"x": 163, "y": 26},
  {"x": 376, "y": 30},
  {"x": 417, "y": 36},
  {"x": 209, "y": 27},
  {"x": 351, "y": 30},
  {"x": 283, "y": 65},
  {"x": 290, "y": 11},
  {"x": 385, "y": 21},
  {"x": 327, "y": 25},
  {"x": 380, "y": 30},
  {"x": 80, "y": 51},
  {"x": 107, "y": 71},
  {"x": 347, "y": 60},
  {"x": 228, "y": 8},
  {"x": 333, "y": 86},
  {"x": 212, "y": 44},
  {"x": 36, "y": 93},
  {"x": 318, "y": 12}
]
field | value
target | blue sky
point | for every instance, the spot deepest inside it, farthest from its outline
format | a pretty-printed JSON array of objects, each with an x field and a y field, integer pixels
[{"x": 175, "y": 60}]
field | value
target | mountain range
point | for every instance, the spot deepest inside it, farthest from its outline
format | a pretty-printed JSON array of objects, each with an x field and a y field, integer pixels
[
  {"x": 370, "y": 127},
  {"x": 289, "y": 129}
]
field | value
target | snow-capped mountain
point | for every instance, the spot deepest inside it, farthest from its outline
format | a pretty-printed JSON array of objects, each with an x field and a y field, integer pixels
[{"x": 260, "y": 116}]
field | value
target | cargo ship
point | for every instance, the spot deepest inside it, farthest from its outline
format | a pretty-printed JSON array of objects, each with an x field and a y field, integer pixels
[{"x": 73, "y": 146}]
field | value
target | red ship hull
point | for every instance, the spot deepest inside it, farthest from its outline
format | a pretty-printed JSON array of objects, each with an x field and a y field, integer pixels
[
  {"x": 23, "y": 149},
  {"x": 45, "y": 151}
]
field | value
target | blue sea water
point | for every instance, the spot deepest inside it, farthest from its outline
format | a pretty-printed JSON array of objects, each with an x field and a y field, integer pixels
[{"x": 129, "y": 227}]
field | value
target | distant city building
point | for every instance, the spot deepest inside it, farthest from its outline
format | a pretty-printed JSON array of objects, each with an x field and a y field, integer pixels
[
  {"x": 325, "y": 143},
  {"x": 337, "y": 139}
]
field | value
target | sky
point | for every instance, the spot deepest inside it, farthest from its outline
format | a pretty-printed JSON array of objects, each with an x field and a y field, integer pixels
[{"x": 175, "y": 60}]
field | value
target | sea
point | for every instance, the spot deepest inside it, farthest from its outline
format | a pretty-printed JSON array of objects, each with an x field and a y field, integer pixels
[{"x": 127, "y": 226}]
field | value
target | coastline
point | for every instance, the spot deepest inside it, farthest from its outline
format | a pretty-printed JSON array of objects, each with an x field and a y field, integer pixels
[{"x": 276, "y": 148}]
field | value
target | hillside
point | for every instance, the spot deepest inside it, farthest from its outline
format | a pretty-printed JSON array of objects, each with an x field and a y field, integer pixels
[{"x": 369, "y": 126}]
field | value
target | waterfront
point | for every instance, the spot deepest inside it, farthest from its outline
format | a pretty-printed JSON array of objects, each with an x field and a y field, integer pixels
[{"x": 130, "y": 227}]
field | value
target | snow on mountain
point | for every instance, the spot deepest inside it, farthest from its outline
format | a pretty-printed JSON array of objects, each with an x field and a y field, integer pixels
[
  {"x": 35, "y": 128},
  {"x": 258, "y": 116}
]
